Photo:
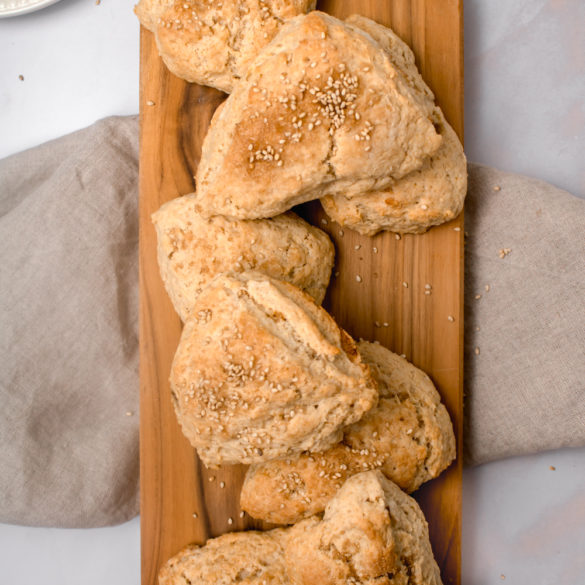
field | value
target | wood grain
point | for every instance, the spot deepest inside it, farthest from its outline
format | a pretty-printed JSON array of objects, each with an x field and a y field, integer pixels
[{"x": 174, "y": 119}]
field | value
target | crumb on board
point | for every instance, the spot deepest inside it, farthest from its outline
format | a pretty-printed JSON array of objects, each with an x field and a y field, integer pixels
[
  {"x": 504, "y": 252},
  {"x": 552, "y": 468}
]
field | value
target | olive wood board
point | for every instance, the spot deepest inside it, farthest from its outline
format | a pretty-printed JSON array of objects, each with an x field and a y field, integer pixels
[{"x": 180, "y": 500}]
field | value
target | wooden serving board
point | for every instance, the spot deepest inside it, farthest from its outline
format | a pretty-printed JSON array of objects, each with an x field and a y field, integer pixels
[{"x": 182, "y": 501}]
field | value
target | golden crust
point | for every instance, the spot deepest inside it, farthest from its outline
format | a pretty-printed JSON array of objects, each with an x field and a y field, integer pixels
[
  {"x": 262, "y": 372},
  {"x": 246, "y": 558},
  {"x": 408, "y": 436},
  {"x": 213, "y": 43},
  {"x": 426, "y": 197},
  {"x": 321, "y": 110},
  {"x": 193, "y": 250},
  {"x": 371, "y": 533}
]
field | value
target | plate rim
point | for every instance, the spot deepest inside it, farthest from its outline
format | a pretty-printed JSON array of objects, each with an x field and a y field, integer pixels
[{"x": 22, "y": 7}]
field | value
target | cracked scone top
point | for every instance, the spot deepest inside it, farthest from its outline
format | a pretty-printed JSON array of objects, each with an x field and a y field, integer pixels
[
  {"x": 408, "y": 436},
  {"x": 261, "y": 372},
  {"x": 212, "y": 42},
  {"x": 425, "y": 197},
  {"x": 322, "y": 110},
  {"x": 372, "y": 533},
  {"x": 193, "y": 250}
]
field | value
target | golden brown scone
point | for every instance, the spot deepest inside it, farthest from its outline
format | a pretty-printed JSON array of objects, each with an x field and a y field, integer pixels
[
  {"x": 261, "y": 372},
  {"x": 211, "y": 42},
  {"x": 430, "y": 196},
  {"x": 192, "y": 250},
  {"x": 150, "y": 11},
  {"x": 245, "y": 558},
  {"x": 426, "y": 197},
  {"x": 322, "y": 110},
  {"x": 408, "y": 436},
  {"x": 372, "y": 533}
]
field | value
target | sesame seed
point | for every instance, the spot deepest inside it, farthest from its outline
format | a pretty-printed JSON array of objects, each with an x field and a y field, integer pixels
[
  {"x": 375, "y": 250},
  {"x": 150, "y": 103},
  {"x": 341, "y": 233},
  {"x": 377, "y": 323},
  {"x": 242, "y": 514},
  {"x": 487, "y": 288},
  {"x": 357, "y": 246},
  {"x": 222, "y": 484},
  {"x": 129, "y": 413},
  {"x": 211, "y": 478},
  {"x": 405, "y": 284},
  {"x": 552, "y": 468},
  {"x": 450, "y": 318},
  {"x": 456, "y": 229},
  {"x": 477, "y": 297},
  {"x": 424, "y": 207},
  {"x": 397, "y": 236},
  {"x": 195, "y": 515},
  {"x": 428, "y": 292},
  {"x": 385, "y": 324},
  {"x": 358, "y": 278},
  {"x": 504, "y": 252},
  {"x": 323, "y": 35},
  {"x": 497, "y": 188},
  {"x": 476, "y": 351},
  {"x": 428, "y": 286},
  {"x": 230, "y": 520}
]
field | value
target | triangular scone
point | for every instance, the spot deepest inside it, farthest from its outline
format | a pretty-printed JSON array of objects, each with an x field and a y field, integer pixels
[
  {"x": 372, "y": 533},
  {"x": 430, "y": 196},
  {"x": 408, "y": 437},
  {"x": 213, "y": 42},
  {"x": 193, "y": 250},
  {"x": 322, "y": 110},
  {"x": 261, "y": 372}
]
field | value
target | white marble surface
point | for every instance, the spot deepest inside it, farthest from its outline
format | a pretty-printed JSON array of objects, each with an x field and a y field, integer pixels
[{"x": 525, "y": 111}]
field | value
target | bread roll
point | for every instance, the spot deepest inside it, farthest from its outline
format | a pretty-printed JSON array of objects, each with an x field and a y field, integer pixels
[
  {"x": 262, "y": 372},
  {"x": 193, "y": 250}
]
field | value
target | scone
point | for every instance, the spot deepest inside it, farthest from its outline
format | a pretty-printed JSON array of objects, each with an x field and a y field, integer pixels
[
  {"x": 372, "y": 533},
  {"x": 245, "y": 558},
  {"x": 430, "y": 196},
  {"x": 322, "y": 110},
  {"x": 262, "y": 372},
  {"x": 408, "y": 436},
  {"x": 192, "y": 250},
  {"x": 211, "y": 42}
]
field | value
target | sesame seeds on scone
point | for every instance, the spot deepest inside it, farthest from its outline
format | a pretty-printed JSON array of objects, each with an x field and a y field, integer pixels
[
  {"x": 211, "y": 42},
  {"x": 262, "y": 372},
  {"x": 408, "y": 436},
  {"x": 322, "y": 109},
  {"x": 192, "y": 250}
]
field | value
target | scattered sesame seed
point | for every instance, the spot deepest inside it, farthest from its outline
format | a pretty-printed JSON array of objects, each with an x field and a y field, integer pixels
[
  {"x": 242, "y": 514},
  {"x": 450, "y": 318},
  {"x": 476, "y": 351},
  {"x": 324, "y": 221},
  {"x": 357, "y": 246},
  {"x": 428, "y": 292},
  {"x": 230, "y": 520},
  {"x": 477, "y": 297},
  {"x": 456, "y": 229},
  {"x": 477, "y": 328},
  {"x": 129, "y": 413},
  {"x": 504, "y": 252},
  {"x": 405, "y": 284},
  {"x": 150, "y": 103},
  {"x": 487, "y": 288},
  {"x": 385, "y": 324},
  {"x": 428, "y": 286},
  {"x": 552, "y": 468},
  {"x": 211, "y": 478},
  {"x": 397, "y": 236},
  {"x": 358, "y": 278},
  {"x": 497, "y": 188},
  {"x": 341, "y": 233},
  {"x": 377, "y": 323},
  {"x": 375, "y": 250},
  {"x": 424, "y": 206},
  {"x": 222, "y": 484},
  {"x": 323, "y": 35},
  {"x": 195, "y": 515},
  {"x": 403, "y": 355}
]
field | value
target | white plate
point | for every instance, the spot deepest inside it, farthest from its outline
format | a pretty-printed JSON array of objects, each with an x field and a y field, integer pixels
[{"x": 15, "y": 7}]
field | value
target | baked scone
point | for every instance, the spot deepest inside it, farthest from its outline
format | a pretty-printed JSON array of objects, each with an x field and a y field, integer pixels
[
  {"x": 245, "y": 558},
  {"x": 430, "y": 196},
  {"x": 408, "y": 436},
  {"x": 192, "y": 250},
  {"x": 262, "y": 372},
  {"x": 426, "y": 197},
  {"x": 322, "y": 110},
  {"x": 211, "y": 42},
  {"x": 371, "y": 533}
]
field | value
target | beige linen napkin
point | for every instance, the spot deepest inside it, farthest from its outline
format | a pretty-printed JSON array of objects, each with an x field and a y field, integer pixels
[{"x": 68, "y": 341}]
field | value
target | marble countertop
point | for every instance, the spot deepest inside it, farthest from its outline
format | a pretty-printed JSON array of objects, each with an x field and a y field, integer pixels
[{"x": 76, "y": 61}]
